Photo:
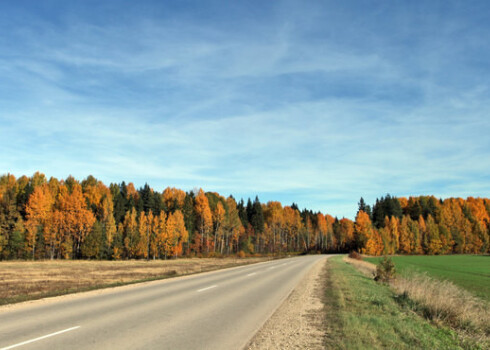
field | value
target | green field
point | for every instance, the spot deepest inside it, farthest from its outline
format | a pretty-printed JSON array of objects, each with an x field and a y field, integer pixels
[{"x": 471, "y": 272}]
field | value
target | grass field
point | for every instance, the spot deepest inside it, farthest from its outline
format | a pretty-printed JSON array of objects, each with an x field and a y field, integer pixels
[
  {"x": 472, "y": 272},
  {"x": 27, "y": 280},
  {"x": 363, "y": 314}
]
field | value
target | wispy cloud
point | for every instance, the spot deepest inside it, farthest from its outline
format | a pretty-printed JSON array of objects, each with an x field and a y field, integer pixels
[{"x": 290, "y": 103}]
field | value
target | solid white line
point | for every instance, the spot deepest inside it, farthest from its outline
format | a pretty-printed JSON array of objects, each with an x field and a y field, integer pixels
[
  {"x": 40, "y": 338},
  {"x": 200, "y": 290},
  {"x": 251, "y": 274}
]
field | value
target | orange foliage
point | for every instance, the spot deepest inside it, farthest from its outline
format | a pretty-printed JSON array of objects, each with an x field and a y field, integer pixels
[
  {"x": 205, "y": 219},
  {"x": 403, "y": 202},
  {"x": 59, "y": 215},
  {"x": 176, "y": 231},
  {"x": 405, "y": 236},
  {"x": 173, "y": 198},
  {"x": 39, "y": 211},
  {"x": 131, "y": 191},
  {"x": 77, "y": 219}
]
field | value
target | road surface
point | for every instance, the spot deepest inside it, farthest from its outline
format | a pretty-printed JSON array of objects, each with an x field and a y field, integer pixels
[{"x": 216, "y": 310}]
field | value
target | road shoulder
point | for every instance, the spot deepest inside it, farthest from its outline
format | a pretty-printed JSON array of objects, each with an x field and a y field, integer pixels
[{"x": 299, "y": 321}]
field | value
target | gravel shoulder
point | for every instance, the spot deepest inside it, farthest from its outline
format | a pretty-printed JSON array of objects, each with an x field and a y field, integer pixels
[{"x": 299, "y": 323}]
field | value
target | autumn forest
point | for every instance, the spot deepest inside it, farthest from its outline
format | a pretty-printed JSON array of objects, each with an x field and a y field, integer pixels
[{"x": 44, "y": 218}]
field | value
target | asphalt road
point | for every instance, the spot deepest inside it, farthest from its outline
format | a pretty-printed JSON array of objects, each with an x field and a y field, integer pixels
[{"x": 217, "y": 310}]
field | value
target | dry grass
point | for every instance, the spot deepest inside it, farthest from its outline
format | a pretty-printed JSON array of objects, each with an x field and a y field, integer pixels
[
  {"x": 27, "y": 280},
  {"x": 442, "y": 301},
  {"x": 367, "y": 268}
]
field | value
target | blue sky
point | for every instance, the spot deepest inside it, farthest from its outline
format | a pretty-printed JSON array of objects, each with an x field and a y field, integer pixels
[{"x": 316, "y": 102}]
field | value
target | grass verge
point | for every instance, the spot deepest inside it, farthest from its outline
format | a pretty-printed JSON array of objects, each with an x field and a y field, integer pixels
[{"x": 362, "y": 314}]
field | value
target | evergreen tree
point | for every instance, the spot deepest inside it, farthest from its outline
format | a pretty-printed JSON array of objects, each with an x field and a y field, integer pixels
[
  {"x": 146, "y": 200},
  {"x": 242, "y": 213},
  {"x": 16, "y": 241},
  {"x": 386, "y": 207},
  {"x": 249, "y": 210},
  {"x": 189, "y": 212},
  {"x": 157, "y": 203},
  {"x": 257, "y": 219},
  {"x": 119, "y": 202},
  {"x": 70, "y": 183},
  {"x": 414, "y": 209},
  {"x": 364, "y": 207},
  {"x": 10, "y": 221},
  {"x": 94, "y": 245},
  {"x": 24, "y": 190}
]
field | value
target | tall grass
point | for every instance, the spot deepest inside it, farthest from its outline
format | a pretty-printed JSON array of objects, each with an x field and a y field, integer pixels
[
  {"x": 444, "y": 302},
  {"x": 367, "y": 268}
]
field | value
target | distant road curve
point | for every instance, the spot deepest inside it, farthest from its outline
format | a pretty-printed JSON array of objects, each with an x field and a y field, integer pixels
[{"x": 217, "y": 310}]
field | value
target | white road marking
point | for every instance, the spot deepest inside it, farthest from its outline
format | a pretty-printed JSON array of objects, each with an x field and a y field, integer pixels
[
  {"x": 251, "y": 274},
  {"x": 203, "y": 289},
  {"x": 284, "y": 264},
  {"x": 272, "y": 267},
  {"x": 40, "y": 338}
]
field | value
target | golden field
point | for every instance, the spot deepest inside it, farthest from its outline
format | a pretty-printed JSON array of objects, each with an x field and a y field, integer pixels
[{"x": 27, "y": 280}]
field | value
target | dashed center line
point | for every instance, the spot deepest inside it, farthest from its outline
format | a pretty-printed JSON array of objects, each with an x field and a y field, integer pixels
[
  {"x": 251, "y": 274},
  {"x": 203, "y": 289},
  {"x": 272, "y": 267},
  {"x": 40, "y": 338}
]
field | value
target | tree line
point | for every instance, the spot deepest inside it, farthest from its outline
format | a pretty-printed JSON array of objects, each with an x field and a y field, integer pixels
[
  {"x": 44, "y": 218},
  {"x": 424, "y": 225}
]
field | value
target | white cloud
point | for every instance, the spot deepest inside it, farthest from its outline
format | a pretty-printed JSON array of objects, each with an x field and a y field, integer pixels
[{"x": 264, "y": 110}]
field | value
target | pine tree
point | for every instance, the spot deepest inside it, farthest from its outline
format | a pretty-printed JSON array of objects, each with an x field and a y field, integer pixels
[
  {"x": 242, "y": 213},
  {"x": 257, "y": 216},
  {"x": 362, "y": 206},
  {"x": 146, "y": 199},
  {"x": 119, "y": 201},
  {"x": 94, "y": 244}
]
